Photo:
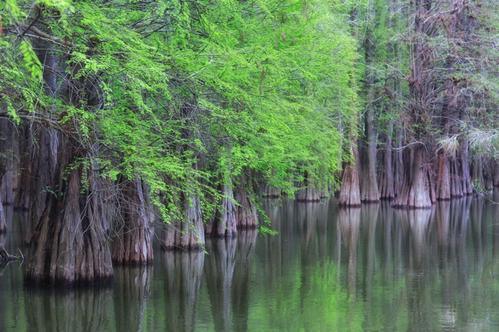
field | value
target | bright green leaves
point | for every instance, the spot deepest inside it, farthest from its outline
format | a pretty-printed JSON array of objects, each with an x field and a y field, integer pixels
[
  {"x": 277, "y": 79},
  {"x": 31, "y": 61},
  {"x": 11, "y": 111},
  {"x": 60, "y": 5},
  {"x": 10, "y": 12},
  {"x": 260, "y": 87}
]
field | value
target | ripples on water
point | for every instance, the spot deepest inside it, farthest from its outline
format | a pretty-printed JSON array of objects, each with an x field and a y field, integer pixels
[{"x": 329, "y": 269}]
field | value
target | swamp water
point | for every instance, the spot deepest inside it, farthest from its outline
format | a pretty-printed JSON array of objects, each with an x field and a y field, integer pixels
[{"x": 372, "y": 268}]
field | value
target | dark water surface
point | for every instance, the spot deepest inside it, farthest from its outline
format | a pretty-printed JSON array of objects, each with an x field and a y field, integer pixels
[{"x": 366, "y": 269}]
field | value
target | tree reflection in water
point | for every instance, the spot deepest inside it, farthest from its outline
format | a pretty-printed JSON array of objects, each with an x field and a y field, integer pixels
[{"x": 372, "y": 268}]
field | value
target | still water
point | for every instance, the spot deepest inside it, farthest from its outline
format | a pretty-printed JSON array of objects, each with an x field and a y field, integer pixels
[{"x": 328, "y": 269}]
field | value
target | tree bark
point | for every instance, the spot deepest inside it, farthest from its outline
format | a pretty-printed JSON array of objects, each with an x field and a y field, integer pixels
[
  {"x": 27, "y": 157},
  {"x": 417, "y": 189},
  {"x": 68, "y": 244},
  {"x": 3, "y": 222},
  {"x": 478, "y": 180},
  {"x": 308, "y": 194},
  {"x": 387, "y": 181},
  {"x": 133, "y": 244},
  {"x": 350, "y": 189},
  {"x": 496, "y": 174},
  {"x": 465, "y": 169},
  {"x": 400, "y": 171},
  {"x": 271, "y": 192},
  {"x": 187, "y": 234},
  {"x": 224, "y": 223},
  {"x": 246, "y": 213},
  {"x": 369, "y": 181},
  {"x": 8, "y": 156},
  {"x": 443, "y": 177}
]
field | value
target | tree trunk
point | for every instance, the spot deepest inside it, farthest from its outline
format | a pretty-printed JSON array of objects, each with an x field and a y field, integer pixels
[
  {"x": 369, "y": 182},
  {"x": 399, "y": 162},
  {"x": 3, "y": 222},
  {"x": 246, "y": 213},
  {"x": 443, "y": 177},
  {"x": 68, "y": 244},
  {"x": 478, "y": 180},
  {"x": 308, "y": 194},
  {"x": 9, "y": 158},
  {"x": 27, "y": 168},
  {"x": 350, "y": 189},
  {"x": 417, "y": 189},
  {"x": 488, "y": 170},
  {"x": 496, "y": 174},
  {"x": 271, "y": 192},
  {"x": 456, "y": 181},
  {"x": 7, "y": 168},
  {"x": 224, "y": 223},
  {"x": 133, "y": 244},
  {"x": 387, "y": 179},
  {"x": 465, "y": 169},
  {"x": 187, "y": 234}
]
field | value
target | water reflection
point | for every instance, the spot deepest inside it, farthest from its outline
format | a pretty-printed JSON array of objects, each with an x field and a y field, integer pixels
[
  {"x": 360, "y": 269},
  {"x": 183, "y": 272},
  {"x": 219, "y": 272},
  {"x": 246, "y": 242},
  {"x": 349, "y": 226},
  {"x": 53, "y": 311},
  {"x": 228, "y": 279},
  {"x": 131, "y": 291}
]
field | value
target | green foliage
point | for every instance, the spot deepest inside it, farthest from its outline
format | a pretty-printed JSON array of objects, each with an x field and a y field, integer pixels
[{"x": 190, "y": 95}]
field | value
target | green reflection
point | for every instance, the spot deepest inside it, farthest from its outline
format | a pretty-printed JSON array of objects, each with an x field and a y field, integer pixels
[{"x": 366, "y": 269}]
